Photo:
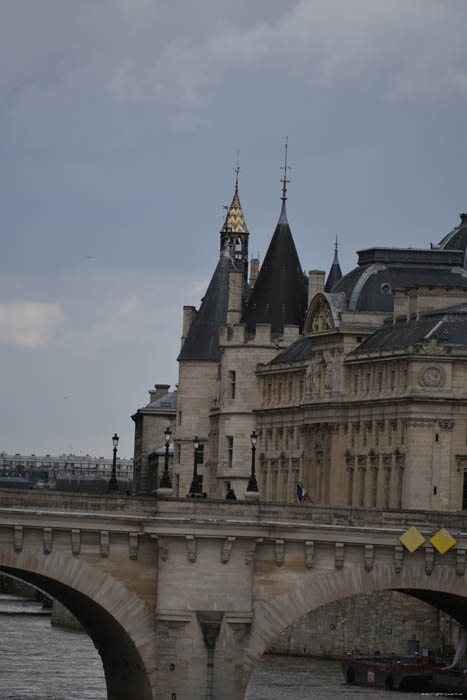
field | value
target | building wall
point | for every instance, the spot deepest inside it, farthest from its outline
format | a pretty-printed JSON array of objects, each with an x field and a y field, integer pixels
[{"x": 197, "y": 390}]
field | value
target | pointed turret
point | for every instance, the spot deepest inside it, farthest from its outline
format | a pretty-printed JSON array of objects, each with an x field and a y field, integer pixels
[
  {"x": 235, "y": 231},
  {"x": 202, "y": 341},
  {"x": 335, "y": 273},
  {"x": 279, "y": 296}
]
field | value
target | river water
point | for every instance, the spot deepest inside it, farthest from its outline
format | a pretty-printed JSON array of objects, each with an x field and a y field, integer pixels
[{"x": 41, "y": 662}]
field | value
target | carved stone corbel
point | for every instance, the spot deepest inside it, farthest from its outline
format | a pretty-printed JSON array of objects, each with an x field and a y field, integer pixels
[
  {"x": 227, "y": 549},
  {"x": 47, "y": 540},
  {"x": 251, "y": 549},
  {"x": 446, "y": 424},
  {"x": 339, "y": 555},
  {"x": 104, "y": 544},
  {"x": 429, "y": 560},
  {"x": 162, "y": 547},
  {"x": 368, "y": 557},
  {"x": 279, "y": 552},
  {"x": 309, "y": 553},
  {"x": 133, "y": 545},
  {"x": 191, "y": 548},
  {"x": 18, "y": 538},
  {"x": 398, "y": 558},
  {"x": 460, "y": 562},
  {"x": 75, "y": 542}
]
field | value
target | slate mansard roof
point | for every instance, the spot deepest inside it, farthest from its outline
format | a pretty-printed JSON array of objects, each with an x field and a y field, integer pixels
[
  {"x": 369, "y": 286},
  {"x": 448, "y": 326},
  {"x": 299, "y": 351},
  {"x": 202, "y": 341},
  {"x": 279, "y": 296}
]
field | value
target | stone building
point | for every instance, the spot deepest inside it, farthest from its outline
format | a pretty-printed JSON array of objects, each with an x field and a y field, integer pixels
[
  {"x": 151, "y": 422},
  {"x": 354, "y": 384}
]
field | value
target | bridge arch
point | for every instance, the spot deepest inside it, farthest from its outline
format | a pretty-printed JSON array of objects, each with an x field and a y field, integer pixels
[
  {"x": 443, "y": 589},
  {"x": 118, "y": 621}
]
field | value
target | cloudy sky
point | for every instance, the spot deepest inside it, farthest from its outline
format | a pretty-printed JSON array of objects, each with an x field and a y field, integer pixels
[{"x": 119, "y": 126}]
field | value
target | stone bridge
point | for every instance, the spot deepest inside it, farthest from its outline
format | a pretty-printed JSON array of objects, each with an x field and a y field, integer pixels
[{"x": 182, "y": 597}]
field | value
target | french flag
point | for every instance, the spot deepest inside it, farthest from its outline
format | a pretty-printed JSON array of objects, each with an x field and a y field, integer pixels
[{"x": 302, "y": 493}]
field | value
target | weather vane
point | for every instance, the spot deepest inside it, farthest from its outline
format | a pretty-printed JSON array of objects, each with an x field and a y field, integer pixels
[{"x": 285, "y": 167}]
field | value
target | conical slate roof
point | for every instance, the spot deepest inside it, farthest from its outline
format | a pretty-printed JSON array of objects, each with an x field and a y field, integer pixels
[
  {"x": 335, "y": 273},
  {"x": 202, "y": 341},
  {"x": 279, "y": 296}
]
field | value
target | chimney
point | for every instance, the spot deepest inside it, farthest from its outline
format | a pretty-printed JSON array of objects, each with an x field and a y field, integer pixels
[
  {"x": 254, "y": 271},
  {"x": 234, "y": 309},
  {"x": 315, "y": 283},
  {"x": 158, "y": 391},
  {"x": 189, "y": 315}
]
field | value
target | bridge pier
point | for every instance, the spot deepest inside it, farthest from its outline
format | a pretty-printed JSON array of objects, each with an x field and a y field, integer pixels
[{"x": 201, "y": 657}]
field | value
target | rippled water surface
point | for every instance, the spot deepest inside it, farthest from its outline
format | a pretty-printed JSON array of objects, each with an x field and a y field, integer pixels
[{"x": 41, "y": 662}]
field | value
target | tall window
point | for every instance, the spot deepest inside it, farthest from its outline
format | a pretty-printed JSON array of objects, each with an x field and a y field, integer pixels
[
  {"x": 233, "y": 379},
  {"x": 230, "y": 450}
]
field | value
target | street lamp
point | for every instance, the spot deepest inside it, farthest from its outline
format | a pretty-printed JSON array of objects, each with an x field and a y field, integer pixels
[
  {"x": 165, "y": 482},
  {"x": 113, "y": 483},
  {"x": 252, "y": 483},
  {"x": 195, "y": 488}
]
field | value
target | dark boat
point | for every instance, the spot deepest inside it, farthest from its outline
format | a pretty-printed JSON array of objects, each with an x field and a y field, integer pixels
[
  {"x": 450, "y": 681},
  {"x": 401, "y": 673}
]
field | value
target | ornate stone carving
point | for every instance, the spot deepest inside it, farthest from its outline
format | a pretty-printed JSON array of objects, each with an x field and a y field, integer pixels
[
  {"x": 47, "y": 540},
  {"x": 339, "y": 555},
  {"x": 429, "y": 559},
  {"x": 251, "y": 549},
  {"x": 191, "y": 548},
  {"x": 432, "y": 377},
  {"x": 104, "y": 543},
  {"x": 75, "y": 542},
  {"x": 279, "y": 552},
  {"x": 432, "y": 346},
  {"x": 18, "y": 538},
  {"x": 316, "y": 377},
  {"x": 227, "y": 549},
  {"x": 322, "y": 318},
  {"x": 461, "y": 462},
  {"x": 398, "y": 558},
  {"x": 133, "y": 545},
  {"x": 368, "y": 557},
  {"x": 309, "y": 553},
  {"x": 446, "y": 424}
]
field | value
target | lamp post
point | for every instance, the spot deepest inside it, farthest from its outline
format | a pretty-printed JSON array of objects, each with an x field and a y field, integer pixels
[
  {"x": 252, "y": 483},
  {"x": 165, "y": 482},
  {"x": 113, "y": 483},
  {"x": 195, "y": 488}
]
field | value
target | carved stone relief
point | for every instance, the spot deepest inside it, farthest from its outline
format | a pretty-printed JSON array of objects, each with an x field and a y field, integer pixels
[{"x": 432, "y": 377}]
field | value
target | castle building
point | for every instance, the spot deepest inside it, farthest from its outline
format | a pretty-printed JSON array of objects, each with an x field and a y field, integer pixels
[{"x": 355, "y": 385}]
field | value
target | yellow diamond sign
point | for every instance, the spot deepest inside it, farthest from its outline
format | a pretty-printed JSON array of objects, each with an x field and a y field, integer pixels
[
  {"x": 412, "y": 539},
  {"x": 443, "y": 540}
]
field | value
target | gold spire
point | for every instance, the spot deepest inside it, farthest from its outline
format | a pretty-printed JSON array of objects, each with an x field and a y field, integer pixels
[{"x": 235, "y": 219}]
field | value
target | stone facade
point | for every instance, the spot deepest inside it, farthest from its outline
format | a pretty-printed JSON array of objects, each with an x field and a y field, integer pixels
[{"x": 362, "y": 401}]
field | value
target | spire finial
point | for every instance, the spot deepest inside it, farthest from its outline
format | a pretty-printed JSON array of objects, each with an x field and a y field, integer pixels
[
  {"x": 285, "y": 167},
  {"x": 336, "y": 245},
  {"x": 236, "y": 171}
]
